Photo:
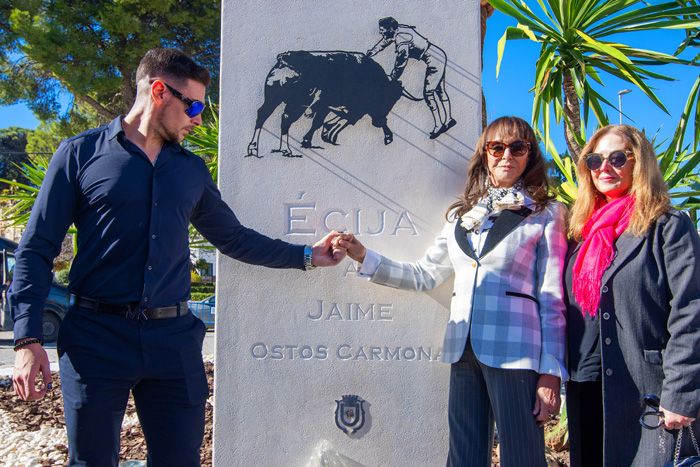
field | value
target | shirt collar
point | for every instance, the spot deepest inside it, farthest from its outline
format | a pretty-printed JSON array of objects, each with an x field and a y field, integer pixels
[
  {"x": 115, "y": 127},
  {"x": 175, "y": 147},
  {"x": 528, "y": 202}
]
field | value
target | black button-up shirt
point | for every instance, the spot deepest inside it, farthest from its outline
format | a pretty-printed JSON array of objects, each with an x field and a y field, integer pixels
[{"x": 132, "y": 219}]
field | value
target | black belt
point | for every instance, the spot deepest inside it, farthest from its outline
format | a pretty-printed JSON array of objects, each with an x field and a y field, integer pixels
[{"x": 132, "y": 310}]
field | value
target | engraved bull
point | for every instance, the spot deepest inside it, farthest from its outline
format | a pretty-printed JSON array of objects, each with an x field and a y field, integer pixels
[{"x": 335, "y": 88}]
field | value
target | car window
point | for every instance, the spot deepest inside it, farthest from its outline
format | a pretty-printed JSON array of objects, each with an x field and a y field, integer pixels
[{"x": 10, "y": 267}]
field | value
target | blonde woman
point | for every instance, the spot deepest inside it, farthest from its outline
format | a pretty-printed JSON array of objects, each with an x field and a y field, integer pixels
[
  {"x": 505, "y": 243},
  {"x": 633, "y": 306}
]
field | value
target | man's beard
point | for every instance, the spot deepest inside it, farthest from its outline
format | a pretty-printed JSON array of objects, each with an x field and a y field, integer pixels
[{"x": 171, "y": 136}]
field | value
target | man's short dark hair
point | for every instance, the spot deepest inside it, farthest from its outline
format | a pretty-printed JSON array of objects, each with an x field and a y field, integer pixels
[
  {"x": 172, "y": 63},
  {"x": 388, "y": 23}
]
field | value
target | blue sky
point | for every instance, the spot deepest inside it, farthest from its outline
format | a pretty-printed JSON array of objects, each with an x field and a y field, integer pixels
[{"x": 510, "y": 94}]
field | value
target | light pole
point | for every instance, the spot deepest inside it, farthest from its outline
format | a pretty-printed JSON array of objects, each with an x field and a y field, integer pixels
[{"x": 619, "y": 101}]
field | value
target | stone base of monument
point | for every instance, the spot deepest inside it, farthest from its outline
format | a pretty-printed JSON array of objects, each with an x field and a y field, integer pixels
[
  {"x": 327, "y": 455},
  {"x": 321, "y": 367}
]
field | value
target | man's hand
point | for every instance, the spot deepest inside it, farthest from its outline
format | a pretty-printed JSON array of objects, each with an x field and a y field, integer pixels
[
  {"x": 325, "y": 253},
  {"x": 674, "y": 421},
  {"x": 29, "y": 361},
  {"x": 548, "y": 399}
]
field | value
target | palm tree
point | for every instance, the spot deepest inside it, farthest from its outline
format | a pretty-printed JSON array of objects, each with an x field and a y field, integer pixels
[
  {"x": 679, "y": 161},
  {"x": 575, "y": 50}
]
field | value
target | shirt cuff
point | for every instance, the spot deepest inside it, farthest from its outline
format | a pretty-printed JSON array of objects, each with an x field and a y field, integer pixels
[
  {"x": 549, "y": 365},
  {"x": 25, "y": 327},
  {"x": 370, "y": 265}
]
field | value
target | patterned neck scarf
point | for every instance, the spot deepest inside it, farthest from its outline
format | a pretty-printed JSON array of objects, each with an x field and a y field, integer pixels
[{"x": 495, "y": 200}]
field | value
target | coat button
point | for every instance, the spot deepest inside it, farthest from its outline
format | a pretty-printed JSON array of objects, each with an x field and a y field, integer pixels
[
  {"x": 473, "y": 264},
  {"x": 608, "y": 341},
  {"x": 606, "y": 315},
  {"x": 608, "y": 372},
  {"x": 605, "y": 289}
]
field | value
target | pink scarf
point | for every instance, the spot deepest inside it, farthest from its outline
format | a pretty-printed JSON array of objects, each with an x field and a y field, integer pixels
[{"x": 604, "y": 226}]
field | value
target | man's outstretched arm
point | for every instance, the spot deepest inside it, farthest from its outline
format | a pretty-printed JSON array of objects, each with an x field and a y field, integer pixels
[{"x": 216, "y": 221}]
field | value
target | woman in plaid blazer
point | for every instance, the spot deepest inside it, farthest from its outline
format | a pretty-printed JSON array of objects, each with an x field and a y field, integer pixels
[{"x": 505, "y": 242}]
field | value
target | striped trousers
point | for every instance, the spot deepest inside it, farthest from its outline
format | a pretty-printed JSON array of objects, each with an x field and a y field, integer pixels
[{"x": 479, "y": 395}]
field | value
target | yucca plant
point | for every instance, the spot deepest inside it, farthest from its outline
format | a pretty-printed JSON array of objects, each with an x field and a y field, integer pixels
[
  {"x": 679, "y": 161},
  {"x": 204, "y": 141},
  {"x": 574, "y": 36},
  {"x": 19, "y": 197}
]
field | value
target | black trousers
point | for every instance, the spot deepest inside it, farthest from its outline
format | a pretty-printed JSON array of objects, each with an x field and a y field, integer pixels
[
  {"x": 584, "y": 407},
  {"x": 103, "y": 358},
  {"x": 480, "y": 395}
]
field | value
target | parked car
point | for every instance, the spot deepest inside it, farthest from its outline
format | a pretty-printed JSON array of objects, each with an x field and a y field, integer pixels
[
  {"x": 57, "y": 302},
  {"x": 204, "y": 310}
]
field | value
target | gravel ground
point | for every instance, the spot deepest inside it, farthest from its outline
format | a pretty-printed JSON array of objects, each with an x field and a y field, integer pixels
[{"x": 33, "y": 434}]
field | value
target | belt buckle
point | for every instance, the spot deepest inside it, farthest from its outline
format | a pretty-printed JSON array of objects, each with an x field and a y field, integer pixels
[{"x": 136, "y": 312}]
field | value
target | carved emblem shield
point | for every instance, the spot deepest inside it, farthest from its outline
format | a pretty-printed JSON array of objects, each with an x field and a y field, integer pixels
[{"x": 349, "y": 413}]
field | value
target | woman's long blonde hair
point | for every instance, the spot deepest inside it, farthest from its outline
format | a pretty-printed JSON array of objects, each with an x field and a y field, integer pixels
[{"x": 648, "y": 185}]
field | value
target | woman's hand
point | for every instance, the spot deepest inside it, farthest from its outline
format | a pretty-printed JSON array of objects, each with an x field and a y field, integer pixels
[
  {"x": 674, "y": 421},
  {"x": 548, "y": 399},
  {"x": 355, "y": 249}
]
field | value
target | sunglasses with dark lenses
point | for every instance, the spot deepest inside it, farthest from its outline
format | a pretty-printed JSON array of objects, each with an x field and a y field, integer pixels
[
  {"x": 194, "y": 107},
  {"x": 617, "y": 159},
  {"x": 517, "y": 148}
]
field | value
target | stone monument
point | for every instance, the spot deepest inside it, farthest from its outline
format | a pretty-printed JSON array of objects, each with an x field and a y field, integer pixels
[{"x": 323, "y": 367}]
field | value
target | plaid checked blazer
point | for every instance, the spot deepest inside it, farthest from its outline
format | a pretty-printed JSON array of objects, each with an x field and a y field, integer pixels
[{"x": 509, "y": 297}]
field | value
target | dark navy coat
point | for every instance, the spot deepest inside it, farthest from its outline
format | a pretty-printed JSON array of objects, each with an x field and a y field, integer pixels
[{"x": 649, "y": 317}]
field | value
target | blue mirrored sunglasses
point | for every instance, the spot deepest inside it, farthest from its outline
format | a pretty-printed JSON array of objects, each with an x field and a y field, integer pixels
[{"x": 194, "y": 107}]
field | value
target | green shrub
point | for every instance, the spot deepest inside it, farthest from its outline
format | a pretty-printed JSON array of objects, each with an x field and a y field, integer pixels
[
  {"x": 195, "y": 277},
  {"x": 62, "y": 276},
  {"x": 198, "y": 296},
  {"x": 203, "y": 287}
]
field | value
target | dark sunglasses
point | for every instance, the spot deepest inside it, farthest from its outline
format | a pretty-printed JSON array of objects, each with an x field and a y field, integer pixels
[
  {"x": 498, "y": 148},
  {"x": 652, "y": 418},
  {"x": 617, "y": 159},
  {"x": 194, "y": 107}
]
